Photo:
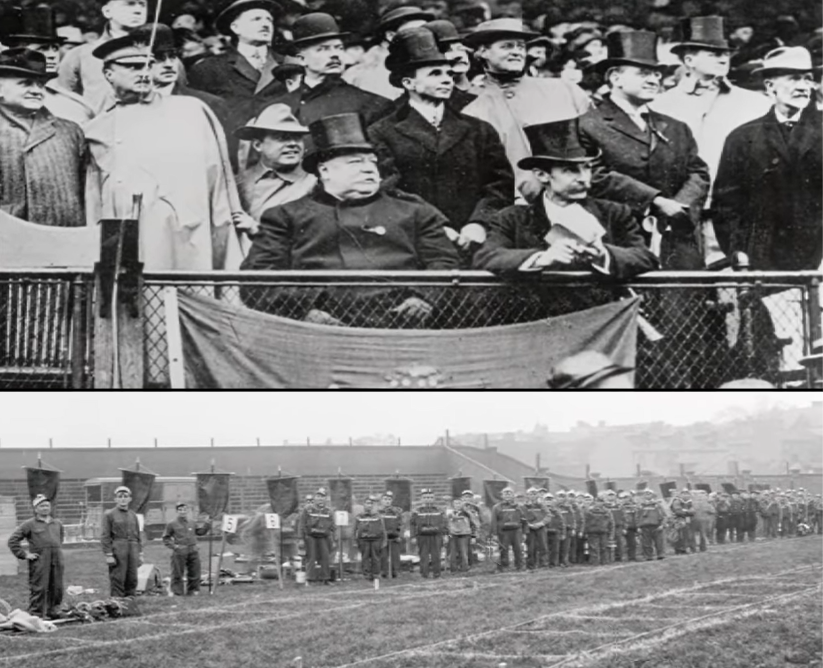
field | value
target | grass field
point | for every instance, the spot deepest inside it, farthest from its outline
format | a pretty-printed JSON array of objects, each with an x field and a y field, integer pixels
[{"x": 736, "y": 606}]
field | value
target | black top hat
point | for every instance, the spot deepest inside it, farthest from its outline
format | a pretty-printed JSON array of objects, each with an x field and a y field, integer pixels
[
  {"x": 231, "y": 9},
  {"x": 444, "y": 32},
  {"x": 413, "y": 48},
  {"x": 701, "y": 32},
  {"x": 32, "y": 24},
  {"x": 633, "y": 47},
  {"x": 20, "y": 62},
  {"x": 394, "y": 18},
  {"x": 314, "y": 27},
  {"x": 560, "y": 142},
  {"x": 335, "y": 135}
]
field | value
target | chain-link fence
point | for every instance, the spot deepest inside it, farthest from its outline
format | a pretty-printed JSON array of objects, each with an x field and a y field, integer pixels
[
  {"x": 698, "y": 329},
  {"x": 45, "y": 337}
]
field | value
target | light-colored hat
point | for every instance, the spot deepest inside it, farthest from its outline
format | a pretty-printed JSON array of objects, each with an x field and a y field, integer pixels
[
  {"x": 71, "y": 35},
  {"x": 507, "y": 489},
  {"x": 38, "y": 500},
  {"x": 790, "y": 58},
  {"x": 122, "y": 488},
  {"x": 320, "y": 492},
  {"x": 497, "y": 29},
  {"x": 274, "y": 118},
  {"x": 532, "y": 490}
]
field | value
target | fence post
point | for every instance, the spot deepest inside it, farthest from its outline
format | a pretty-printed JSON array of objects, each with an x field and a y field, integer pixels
[
  {"x": 80, "y": 328},
  {"x": 815, "y": 333}
]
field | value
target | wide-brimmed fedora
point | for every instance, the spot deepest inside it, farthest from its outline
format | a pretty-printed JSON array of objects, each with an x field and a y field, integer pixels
[
  {"x": 786, "y": 59},
  {"x": 701, "y": 32},
  {"x": 554, "y": 142},
  {"x": 336, "y": 135},
  {"x": 632, "y": 47},
  {"x": 22, "y": 62},
  {"x": 497, "y": 29},
  {"x": 274, "y": 118},
  {"x": 410, "y": 49},
  {"x": 312, "y": 28},
  {"x": 231, "y": 9}
]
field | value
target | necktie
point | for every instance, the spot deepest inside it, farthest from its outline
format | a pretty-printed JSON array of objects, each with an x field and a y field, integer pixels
[{"x": 257, "y": 60}]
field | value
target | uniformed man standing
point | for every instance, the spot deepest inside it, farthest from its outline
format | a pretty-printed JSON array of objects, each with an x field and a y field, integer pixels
[
  {"x": 180, "y": 537},
  {"x": 722, "y": 509},
  {"x": 770, "y": 510},
  {"x": 599, "y": 531},
  {"x": 650, "y": 520},
  {"x": 555, "y": 530},
  {"x": 736, "y": 518},
  {"x": 683, "y": 510},
  {"x": 122, "y": 544},
  {"x": 393, "y": 521},
  {"x": 630, "y": 514},
  {"x": 473, "y": 509},
  {"x": 317, "y": 530},
  {"x": 44, "y": 535},
  {"x": 370, "y": 534},
  {"x": 508, "y": 520},
  {"x": 536, "y": 540},
  {"x": 568, "y": 538},
  {"x": 616, "y": 509},
  {"x": 428, "y": 524}
]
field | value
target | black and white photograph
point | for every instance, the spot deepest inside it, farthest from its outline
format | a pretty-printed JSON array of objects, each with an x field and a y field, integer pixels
[
  {"x": 439, "y": 194},
  {"x": 400, "y": 530}
]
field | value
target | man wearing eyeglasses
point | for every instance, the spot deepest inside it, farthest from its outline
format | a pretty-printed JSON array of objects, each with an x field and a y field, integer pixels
[{"x": 122, "y": 544}]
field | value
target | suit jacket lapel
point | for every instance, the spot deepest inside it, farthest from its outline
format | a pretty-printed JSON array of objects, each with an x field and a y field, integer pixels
[
  {"x": 267, "y": 75},
  {"x": 619, "y": 120},
  {"x": 452, "y": 131},
  {"x": 774, "y": 136},
  {"x": 658, "y": 125},
  {"x": 243, "y": 66},
  {"x": 418, "y": 129},
  {"x": 539, "y": 223},
  {"x": 42, "y": 129},
  {"x": 805, "y": 135}
]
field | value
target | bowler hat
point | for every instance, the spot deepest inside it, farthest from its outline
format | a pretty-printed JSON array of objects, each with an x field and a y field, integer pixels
[
  {"x": 395, "y": 18},
  {"x": 335, "y": 135},
  {"x": 31, "y": 24},
  {"x": 497, "y": 29},
  {"x": 231, "y": 9},
  {"x": 314, "y": 27},
  {"x": 274, "y": 118},
  {"x": 20, "y": 62},
  {"x": 632, "y": 47},
  {"x": 560, "y": 142},
  {"x": 786, "y": 59},
  {"x": 701, "y": 32},
  {"x": 413, "y": 48},
  {"x": 444, "y": 31}
]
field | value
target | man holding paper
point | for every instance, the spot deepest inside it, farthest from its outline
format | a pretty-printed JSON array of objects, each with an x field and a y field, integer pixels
[
  {"x": 180, "y": 537},
  {"x": 564, "y": 229}
]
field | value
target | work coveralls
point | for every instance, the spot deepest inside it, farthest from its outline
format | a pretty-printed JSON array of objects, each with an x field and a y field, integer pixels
[
  {"x": 370, "y": 535},
  {"x": 393, "y": 521},
  {"x": 428, "y": 524},
  {"x": 120, "y": 538},
  {"x": 180, "y": 536},
  {"x": 46, "y": 572}
]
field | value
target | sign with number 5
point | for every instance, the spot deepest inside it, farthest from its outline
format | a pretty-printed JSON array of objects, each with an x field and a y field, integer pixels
[{"x": 229, "y": 523}]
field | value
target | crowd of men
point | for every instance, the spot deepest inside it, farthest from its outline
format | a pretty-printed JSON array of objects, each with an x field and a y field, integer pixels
[{"x": 459, "y": 139}]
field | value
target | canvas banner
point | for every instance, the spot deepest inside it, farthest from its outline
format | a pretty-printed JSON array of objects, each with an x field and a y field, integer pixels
[
  {"x": 140, "y": 484},
  {"x": 492, "y": 490},
  {"x": 43, "y": 481},
  {"x": 459, "y": 485},
  {"x": 213, "y": 493},
  {"x": 536, "y": 481},
  {"x": 283, "y": 495},
  {"x": 340, "y": 494},
  {"x": 402, "y": 490}
]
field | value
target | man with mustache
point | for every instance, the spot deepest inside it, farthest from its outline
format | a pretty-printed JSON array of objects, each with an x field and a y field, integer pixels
[
  {"x": 767, "y": 196},
  {"x": 42, "y": 158},
  {"x": 509, "y": 101},
  {"x": 318, "y": 45},
  {"x": 348, "y": 222},
  {"x": 172, "y": 152}
]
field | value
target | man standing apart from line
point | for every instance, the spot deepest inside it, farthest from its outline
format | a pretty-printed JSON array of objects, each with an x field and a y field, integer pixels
[
  {"x": 180, "y": 537},
  {"x": 44, "y": 555},
  {"x": 122, "y": 544}
]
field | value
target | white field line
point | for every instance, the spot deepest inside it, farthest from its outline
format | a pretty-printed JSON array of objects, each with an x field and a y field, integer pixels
[
  {"x": 677, "y": 629},
  {"x": 613, "y": 634},
  {"x": 423, "y": 649},
  {"x": 496, "y": 657},
  {"x": 607, "y": 618}
]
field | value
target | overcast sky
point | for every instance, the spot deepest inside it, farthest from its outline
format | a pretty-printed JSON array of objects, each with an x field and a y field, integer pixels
[{"x": 29, "y": 420}]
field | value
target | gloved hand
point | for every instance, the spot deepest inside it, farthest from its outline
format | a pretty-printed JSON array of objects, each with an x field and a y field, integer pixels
[
  {"x": 31, "y": 556},
  {"x": 111, "y": 561}
]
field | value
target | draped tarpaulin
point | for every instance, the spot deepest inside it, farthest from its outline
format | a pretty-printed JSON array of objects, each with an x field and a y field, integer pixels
[
  {"x": 140, "y": 484},
  {"x": 43, "y": 481},
  {"x": 283, "y": 495},
  {"x": 230, "y": 346},
  {"x": 340, "y": 490},
  {"x": 492, "y": 489},
  {"x": 667, "y": 489},
  {"x": 459, "y": 485},
  {"x": 402, "y": 490},
  {"x": 537, "y": 482},
  {"x": 213, "y": 493},
  {"x": 591, "y": 487}
]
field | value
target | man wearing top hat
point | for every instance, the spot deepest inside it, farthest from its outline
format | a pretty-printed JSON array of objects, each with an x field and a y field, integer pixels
[
  {"x": 317, "y": 43},
  {"x": 82, "y": 73},
  {"x": 510, "y": 101},
  {"x": 767, "y": 196},
  {"x": 454, "y": 162},
  {"x": 348, "y": 222},
  {"x": 564, "y": 228},
  {"x": 649, "y": 161},
  {"x": 122, "y": 544},
  {"x": 707, "y": 102},
  {"x": 42, "y": 158},
  {"x": 44, "y": 536},
  {"x": 172, "y": 152},
  {"x": 243, "y": 75},
  {"x": 277, "y": 177},
  {"x": 371, "y": 74},
  {"x": 34, "y": 28}
]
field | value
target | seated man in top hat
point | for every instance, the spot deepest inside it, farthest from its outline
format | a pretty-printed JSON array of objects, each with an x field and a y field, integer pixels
[
  {"x": 347, "y": 222},
  {"x": 564, "y": 229},
  {"x": 454, "y": 162}
]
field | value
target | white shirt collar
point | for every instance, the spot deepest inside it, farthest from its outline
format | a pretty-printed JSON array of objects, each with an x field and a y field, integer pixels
[
  {"x": 433, "y": 114},
  {"x": 782, "y": 119},
  {"x": 631, "y": 112},
  {"x": 251, "y": 53}
]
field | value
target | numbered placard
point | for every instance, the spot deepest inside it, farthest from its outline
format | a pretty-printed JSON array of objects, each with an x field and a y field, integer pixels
[
  {"x": 341, "y": 518},
  {"x": 230, "y": 523},
  {"x": 272, "y": 521}
]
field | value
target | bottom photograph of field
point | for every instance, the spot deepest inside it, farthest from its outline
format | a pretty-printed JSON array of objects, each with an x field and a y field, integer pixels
[{"x": 741, "y": 605}]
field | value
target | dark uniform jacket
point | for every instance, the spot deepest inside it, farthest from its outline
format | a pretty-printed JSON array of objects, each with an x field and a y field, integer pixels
[
  {"x": 555, "y": 522},
  {"x": 393, "y": 521},
  {"x": 428, "y": 521},
  {"x": 630, "y": 513},
  {"x": 650, "y": 514},
  {"x": 460, "y": 168},
  {"x": 569, "y": 516},
  {"x": 317, "y": 522},
  {"x": 507, "y": 517},
  {"x": 369, "y": 526},
  {"x": 181, "y": 532},
  {"x": 638, "y": 166},
  {"x": 599, "y": 520},
  {"x": 119, "y": 524},
  {"x": 517, "y": 232},
  {"x": 767, "y": 197},
  {"x": 41, "y": 535},
  {"x": 682, "y": 508},
  {"x": 231, "y": 77}
]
